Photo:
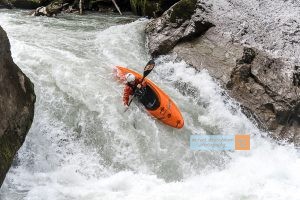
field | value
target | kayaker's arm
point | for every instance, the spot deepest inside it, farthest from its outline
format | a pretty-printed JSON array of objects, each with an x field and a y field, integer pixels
[
  {"x": 127, "y": 92},
  {"x": 140, "y": 85}
]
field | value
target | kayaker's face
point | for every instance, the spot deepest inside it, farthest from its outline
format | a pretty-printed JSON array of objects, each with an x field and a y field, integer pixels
[{"x": 132, "y": 82}]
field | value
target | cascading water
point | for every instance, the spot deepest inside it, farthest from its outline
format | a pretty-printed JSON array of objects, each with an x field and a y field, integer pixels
[{"x": 83, "y": 146}]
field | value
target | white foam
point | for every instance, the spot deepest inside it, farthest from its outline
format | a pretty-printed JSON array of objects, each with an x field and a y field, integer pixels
[{"x": 83, "y": 146}]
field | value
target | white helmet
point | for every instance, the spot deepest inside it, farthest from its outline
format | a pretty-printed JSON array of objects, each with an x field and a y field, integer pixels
[{"x": 129, "y": 77}]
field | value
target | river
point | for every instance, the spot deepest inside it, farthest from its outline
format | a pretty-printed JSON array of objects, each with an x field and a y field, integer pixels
[{"x": 83, "y": 146}]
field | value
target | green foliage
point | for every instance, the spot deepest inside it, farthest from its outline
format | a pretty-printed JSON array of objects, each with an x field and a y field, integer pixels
[
  {"x": 4, "y": 1},
  {"x": 28, "y": 4},
  {"x": 152, "y": 8}
]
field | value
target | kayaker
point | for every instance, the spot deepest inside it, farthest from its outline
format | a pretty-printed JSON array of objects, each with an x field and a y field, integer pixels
[{"x": 132, "y": 84}]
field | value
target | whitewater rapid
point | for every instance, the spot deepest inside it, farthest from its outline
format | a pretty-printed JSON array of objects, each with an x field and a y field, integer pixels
[{"x": 82, "y": 146}]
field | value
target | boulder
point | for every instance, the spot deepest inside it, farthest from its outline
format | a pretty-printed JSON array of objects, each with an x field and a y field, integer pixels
[
  {"x": 51, "y": 10},
  {"x": 266, "y": 87},
  {"x": 264, "y": 78},
  {"x": 17, "y": 100},
  {"x": 183, "y": 21}
]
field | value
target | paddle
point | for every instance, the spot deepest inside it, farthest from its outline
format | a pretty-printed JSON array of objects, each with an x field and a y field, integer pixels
[{"x": 147, "y": 69}]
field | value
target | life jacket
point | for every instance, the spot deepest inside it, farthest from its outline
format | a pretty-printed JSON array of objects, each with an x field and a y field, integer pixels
[
  {"x": 131, "y": 86},
  {"x": 130, "y": 89}
]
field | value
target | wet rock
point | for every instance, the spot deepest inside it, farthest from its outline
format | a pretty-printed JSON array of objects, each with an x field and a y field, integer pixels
[
  {"x": 71, "y": 9},
  {"x": 40, "y": 11},
  {"x": 50, "y": 10},
  {"x": 270, "y": 93},
  {"x": 16, "y": 106},
  {"x": 183, "y": 21},
  {"x": 266, "y": 86},
  {"x": 212, "y": 51}
]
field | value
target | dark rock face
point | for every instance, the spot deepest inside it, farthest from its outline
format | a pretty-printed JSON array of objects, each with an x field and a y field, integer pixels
[
  {"x": 16, "y": 106},
  {"x": 184, "y": 20}
]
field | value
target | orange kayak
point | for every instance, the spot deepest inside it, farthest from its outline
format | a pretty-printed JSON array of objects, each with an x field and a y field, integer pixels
[{"x": 156, "y": 102}]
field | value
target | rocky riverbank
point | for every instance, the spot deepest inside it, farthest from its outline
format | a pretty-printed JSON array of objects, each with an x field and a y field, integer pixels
[
  {"x": 17, "y": 100},
  {"x": 54, "y": 7},
  {"x": 254, "y": 61},
  {"x": 49, "y": 8}
]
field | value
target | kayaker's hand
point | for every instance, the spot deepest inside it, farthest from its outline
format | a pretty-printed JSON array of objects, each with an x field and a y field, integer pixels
[{"x": 139, "y": 86}]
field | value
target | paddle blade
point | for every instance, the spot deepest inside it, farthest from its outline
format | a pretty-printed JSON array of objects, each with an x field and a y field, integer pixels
[{"x": 149, "y": 67}]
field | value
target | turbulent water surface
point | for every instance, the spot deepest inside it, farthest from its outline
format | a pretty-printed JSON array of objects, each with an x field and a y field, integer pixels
[{"x": 82, "y": 146}]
